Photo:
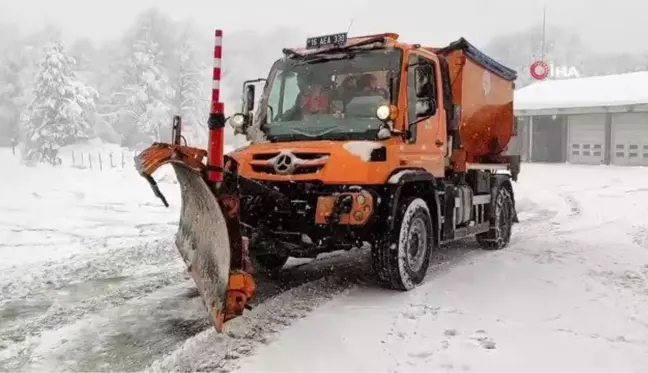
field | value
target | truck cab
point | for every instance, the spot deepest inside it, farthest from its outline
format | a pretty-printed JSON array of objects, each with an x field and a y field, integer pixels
[{"x": 378, "y": 91}]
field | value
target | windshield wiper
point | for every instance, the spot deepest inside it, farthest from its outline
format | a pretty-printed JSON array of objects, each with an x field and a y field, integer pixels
[
  {"x": 321, "y": 133},
  {"x": 367, "y": 135}
]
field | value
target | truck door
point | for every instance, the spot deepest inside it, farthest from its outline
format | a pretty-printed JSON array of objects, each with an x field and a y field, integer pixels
[{"x": 426, "y": 144}]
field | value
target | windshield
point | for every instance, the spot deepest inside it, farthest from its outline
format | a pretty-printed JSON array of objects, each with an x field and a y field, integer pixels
[{"x": 331, "y": 96}]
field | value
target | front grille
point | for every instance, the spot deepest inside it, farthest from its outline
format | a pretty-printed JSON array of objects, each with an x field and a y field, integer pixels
[
  {"x": 302, "y": 170},
  {"x": 307, "y": 162}
]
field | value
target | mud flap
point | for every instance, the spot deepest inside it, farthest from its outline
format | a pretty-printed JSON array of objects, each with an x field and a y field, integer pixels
[{"x": 203, "y": 241}]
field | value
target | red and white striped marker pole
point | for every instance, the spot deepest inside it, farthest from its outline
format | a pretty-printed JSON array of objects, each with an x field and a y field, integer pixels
[{"x": 216, "y": 123}]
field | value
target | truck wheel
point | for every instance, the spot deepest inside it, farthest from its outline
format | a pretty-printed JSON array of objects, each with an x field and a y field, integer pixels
[
  {"x": 267, "y": 263},
  {"x": 501, "y": 222},
  {"x": 401, "y": 259}
]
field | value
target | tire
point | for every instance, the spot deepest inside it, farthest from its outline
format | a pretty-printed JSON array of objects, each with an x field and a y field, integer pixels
[
  {"x": 501, "y": 222},
  {"x": 394, "y": 268}
]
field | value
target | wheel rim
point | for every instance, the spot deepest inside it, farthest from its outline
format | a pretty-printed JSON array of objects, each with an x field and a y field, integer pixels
[{"x": 416, "y": 245}]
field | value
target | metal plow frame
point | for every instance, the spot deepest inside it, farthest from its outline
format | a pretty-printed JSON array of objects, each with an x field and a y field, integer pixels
[{"x": 209, "y": 235}]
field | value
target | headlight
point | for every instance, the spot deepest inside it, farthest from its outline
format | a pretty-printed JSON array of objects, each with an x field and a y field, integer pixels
[
  {"x": 383, "y": 112},
  {"x": 237, "y": 121}
]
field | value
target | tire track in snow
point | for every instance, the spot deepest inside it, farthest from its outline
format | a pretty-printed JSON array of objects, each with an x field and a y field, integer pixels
[
  {"x": 411, "y": 346},
  {"x": 132, "y": 335},
  {"x": 114, "y": 337},
  {"x": 95, "y": 263},
  {"x": 545, "y": 225},
  {"x": 67, "y": 305},
  {"x": 575, "y": 208},
  {"x": 545, "y": 221},
  {"x": 59, "y": 293},
  {"x": 209, "y": 351},
  {"x": 640, "y": 236},
  {"x": 342, "y": 272}
]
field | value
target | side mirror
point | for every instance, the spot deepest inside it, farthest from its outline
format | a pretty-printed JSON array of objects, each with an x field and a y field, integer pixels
[
  {"x": 249, "y": 98},
  {"x": 239, "y": 123}
]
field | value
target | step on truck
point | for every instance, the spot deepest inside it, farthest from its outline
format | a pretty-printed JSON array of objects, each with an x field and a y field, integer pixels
[{"x": 353, "y": 140}]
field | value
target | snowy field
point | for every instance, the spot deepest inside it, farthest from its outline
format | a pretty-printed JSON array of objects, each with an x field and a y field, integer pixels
[{"x": 90, "y": 281}]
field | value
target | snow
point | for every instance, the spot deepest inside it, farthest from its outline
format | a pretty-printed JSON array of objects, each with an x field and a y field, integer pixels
[
  {"x": 362, "y": 149},
  {"x": 596, "y": 91},
  {"x": 568, "y": 294},
  {"x": 90, "y": 280},
  {"x": 395, "y": 178},
  {"x": 91, "y": 146}
]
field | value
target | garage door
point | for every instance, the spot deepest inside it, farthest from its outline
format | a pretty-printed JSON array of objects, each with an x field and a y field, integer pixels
[
  {"x": 630, "y": 139},
  {"x": 587, "y": 138}
]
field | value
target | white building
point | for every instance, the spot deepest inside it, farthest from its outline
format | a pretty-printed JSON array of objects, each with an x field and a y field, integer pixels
[{"x": 593, "y": 120}]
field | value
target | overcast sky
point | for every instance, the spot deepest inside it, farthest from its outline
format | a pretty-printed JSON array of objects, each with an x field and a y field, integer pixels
[{"x": 605, "y": 25}]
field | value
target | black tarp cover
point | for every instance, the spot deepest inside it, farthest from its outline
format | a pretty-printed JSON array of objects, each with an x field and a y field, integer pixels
[{"x": 480, "y": 58}]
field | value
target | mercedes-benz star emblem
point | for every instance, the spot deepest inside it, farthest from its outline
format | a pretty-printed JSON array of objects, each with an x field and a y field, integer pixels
[{"x": 284, "y": 163}]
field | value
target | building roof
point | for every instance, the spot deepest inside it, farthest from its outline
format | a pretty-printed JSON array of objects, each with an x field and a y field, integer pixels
[{"x": 589, "y": 92}]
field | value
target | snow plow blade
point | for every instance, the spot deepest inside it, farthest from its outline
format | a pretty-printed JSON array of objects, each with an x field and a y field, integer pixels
[{"x": 208, "y": 237}]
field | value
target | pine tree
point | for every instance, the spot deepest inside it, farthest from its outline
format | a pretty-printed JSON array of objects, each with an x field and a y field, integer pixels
[
  {"x": 12, "y": 95},
  {"x": 62, "y": 107},
  {"x": 190, "y": 100},
  {"x": 150, "y": 91},
  {"x": 142, "y": 105}
]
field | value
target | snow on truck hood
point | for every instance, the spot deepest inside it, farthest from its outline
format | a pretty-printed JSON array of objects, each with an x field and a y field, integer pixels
[{"x": 362, "y": 149}]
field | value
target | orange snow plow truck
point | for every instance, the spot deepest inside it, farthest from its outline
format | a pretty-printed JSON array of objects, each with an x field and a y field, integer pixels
[{"x": 353, "y": 140}]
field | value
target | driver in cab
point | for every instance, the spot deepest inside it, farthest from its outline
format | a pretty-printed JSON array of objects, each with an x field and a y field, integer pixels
[
  {"x": 357, "y": 86},
  {"x": 313, "y": 98}
]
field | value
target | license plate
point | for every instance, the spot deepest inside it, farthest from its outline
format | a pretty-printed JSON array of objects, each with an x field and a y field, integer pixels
[{"x": 326, "y": 41}]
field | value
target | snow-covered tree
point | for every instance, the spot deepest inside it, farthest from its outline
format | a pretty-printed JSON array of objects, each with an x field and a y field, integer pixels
[
  {"x": 142, "y": 109},
  {"x": 150, "y": 92},
  {"x": 12, "y": 94},
  {"x": 192, "y": 73},
  {"x": 62, "y": 108},
  {"x": 86, "y": 55}
]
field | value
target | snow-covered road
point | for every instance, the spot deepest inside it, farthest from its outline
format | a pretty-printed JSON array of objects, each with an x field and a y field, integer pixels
[{"x": 90, "y": 281}]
